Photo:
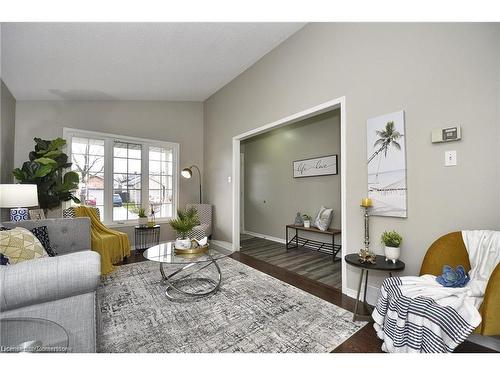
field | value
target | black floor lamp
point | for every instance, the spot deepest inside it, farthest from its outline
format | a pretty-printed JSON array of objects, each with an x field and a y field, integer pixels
[{"x": 188, "y": 173}]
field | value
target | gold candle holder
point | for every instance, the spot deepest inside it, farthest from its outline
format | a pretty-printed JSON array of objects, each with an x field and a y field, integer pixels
[{"x": 365, "y": 255}]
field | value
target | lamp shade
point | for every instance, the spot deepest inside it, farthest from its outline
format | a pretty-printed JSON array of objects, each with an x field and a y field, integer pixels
[
  {"x": 186, "y": 173},
  {"x": 18, "y": 195}
]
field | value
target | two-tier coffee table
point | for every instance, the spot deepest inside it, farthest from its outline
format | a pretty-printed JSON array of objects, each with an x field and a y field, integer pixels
[{"x": 185, "y": 282}]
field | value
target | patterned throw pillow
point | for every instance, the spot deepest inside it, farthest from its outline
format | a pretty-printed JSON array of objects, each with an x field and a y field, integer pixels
[
  {"x": 3, "y": 260},
  {"x": 3, "y": 228},
  {"x": 19, "y": 244},
  {"x": 43, "y": 236},
  {"x": 323, "y": 218}
]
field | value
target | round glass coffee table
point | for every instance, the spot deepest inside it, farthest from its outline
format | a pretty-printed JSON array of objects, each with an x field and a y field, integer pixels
[
  {"x": 186, "y": 281},
  {"x": 32, "y": 335}
]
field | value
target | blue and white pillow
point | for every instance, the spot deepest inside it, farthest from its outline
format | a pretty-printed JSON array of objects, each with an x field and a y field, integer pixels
[
  {"x": 43, "y": 236},
  {"x": 4, "y": 261}
]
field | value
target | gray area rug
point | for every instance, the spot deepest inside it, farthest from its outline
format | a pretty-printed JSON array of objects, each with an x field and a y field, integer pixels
[{"x": 252, "y": 312}]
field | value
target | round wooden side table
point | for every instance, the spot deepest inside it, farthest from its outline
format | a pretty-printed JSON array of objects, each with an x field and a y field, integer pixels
[
  {"x": 146, "y": 237},
  {"x": 380, "y": 265}
]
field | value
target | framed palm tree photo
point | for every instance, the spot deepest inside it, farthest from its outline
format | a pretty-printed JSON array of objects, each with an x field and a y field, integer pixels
[{"x": 386, "y": 161}]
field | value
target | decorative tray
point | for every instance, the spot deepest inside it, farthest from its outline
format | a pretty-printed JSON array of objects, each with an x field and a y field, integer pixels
[{"x": 193, "y": 250}]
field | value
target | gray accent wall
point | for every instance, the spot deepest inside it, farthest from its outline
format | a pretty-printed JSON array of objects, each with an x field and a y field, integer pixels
[
  {"x": 180, "y": 122},
  {"x": 439, "y": 74},
  {"x": 7, "y": 130},
  {"x": 272, "y": 195}
]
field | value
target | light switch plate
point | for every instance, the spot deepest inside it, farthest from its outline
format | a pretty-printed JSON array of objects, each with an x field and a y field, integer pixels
[
  {"x": 228, "y": 179},
  {"x": 450, "y": 158}
]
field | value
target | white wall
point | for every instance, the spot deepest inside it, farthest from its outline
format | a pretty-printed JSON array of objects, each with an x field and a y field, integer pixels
[
  {"x": 440, "y": 74},
  {"x": 272, "y": 195},
  {"x": 7, "y": 129},
  {"x": 180, "y": 122}
]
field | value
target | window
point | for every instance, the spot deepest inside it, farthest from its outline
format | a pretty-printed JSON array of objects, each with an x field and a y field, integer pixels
[
  {"x": 120, "y": 174},
  {"x": 87, "y": 156},
  {"x": 126, "y": 180},
  {"x": 160, "y": 180}
]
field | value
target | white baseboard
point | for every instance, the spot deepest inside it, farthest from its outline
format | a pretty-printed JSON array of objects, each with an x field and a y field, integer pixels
[
  {"x": 350, "y": 292},
  {"x": 371, "y": 294},
  {"x": 275, "y": 239},
  {"x": 223, "y": 244},
  {"x": 265, "y": 236}
]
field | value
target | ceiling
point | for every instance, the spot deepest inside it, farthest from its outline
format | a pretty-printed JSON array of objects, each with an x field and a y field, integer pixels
[{"x": 131, "y": 61}]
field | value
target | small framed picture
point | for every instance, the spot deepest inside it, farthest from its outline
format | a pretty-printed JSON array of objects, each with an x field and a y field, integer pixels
[{"x": 37, "y": 214}]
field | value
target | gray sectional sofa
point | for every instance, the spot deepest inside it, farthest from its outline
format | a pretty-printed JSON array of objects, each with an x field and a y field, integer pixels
[{"x": 61, "y": 288}]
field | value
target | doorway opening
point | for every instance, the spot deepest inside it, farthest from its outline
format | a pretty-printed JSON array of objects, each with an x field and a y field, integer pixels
[{"x": 269, "y": 191}]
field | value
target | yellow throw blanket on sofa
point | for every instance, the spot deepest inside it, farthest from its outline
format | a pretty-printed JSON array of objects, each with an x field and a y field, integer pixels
[{"x": 112, "y": 245}]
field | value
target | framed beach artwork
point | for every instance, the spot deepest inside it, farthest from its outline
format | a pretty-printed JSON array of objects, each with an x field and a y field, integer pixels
[
  {"x": 386, "y": 153},
  {"x": 322, "y": 166}
]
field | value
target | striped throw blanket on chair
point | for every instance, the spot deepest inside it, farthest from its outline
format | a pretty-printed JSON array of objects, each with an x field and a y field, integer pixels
[{"x": 417, "y": 314}]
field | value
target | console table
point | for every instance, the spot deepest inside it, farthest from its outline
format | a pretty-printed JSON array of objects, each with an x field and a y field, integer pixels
[{"x": 329, "y": 247}]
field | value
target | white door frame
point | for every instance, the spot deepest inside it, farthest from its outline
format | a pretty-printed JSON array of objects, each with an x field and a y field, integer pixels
[
  {"x": 242, "y": 192},
  {"x": 307, "y": 113}
]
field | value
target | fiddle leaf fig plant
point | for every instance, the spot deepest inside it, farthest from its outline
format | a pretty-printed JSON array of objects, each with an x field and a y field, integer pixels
[{"x": 45, "y": 168}]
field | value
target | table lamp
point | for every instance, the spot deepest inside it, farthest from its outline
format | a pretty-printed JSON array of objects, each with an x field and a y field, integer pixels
[{"x": 18, "y": 197}]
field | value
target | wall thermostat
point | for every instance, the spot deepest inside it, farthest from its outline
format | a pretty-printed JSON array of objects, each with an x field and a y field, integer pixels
[{"x": 446, "y": 134}]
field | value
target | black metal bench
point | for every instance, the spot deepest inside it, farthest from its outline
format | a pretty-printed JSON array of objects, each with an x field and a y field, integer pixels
[{"x": 325, "y": 247}]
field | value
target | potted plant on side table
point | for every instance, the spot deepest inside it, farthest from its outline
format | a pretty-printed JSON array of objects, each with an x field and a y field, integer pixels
[
  {"x": 143, "y": 218},
  {"x": 186, "y": 220},
  {"x": 392, "y": 245}
]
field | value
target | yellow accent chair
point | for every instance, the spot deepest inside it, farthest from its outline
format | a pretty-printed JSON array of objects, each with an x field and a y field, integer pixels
[{"x": 450, "y": 250}]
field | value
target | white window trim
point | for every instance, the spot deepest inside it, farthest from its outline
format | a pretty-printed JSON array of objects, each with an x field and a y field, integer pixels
[{"x": 108, "y": 166}]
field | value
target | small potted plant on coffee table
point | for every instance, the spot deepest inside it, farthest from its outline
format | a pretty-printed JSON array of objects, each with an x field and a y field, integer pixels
[
  {"x": 392, "y": 245},
  {"x": 186, "y": 220}
]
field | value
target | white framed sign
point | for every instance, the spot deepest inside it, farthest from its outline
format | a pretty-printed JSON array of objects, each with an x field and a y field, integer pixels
[{"x": 322, "y": 166}]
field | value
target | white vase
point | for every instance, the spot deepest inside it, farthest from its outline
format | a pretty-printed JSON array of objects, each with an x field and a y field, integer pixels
[
  {"x": 183, "y": 243},
  {"x": 392, "y": 253},
  {"x": 307, "y": 223},
  {"x": 142, "y": 221}
]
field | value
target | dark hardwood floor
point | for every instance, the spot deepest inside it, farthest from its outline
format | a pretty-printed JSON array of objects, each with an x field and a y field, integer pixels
[
  {"x": 135, "y": 256},
  {"x": 303, "y": 261},
  {"x": 363, "y": 341}
]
